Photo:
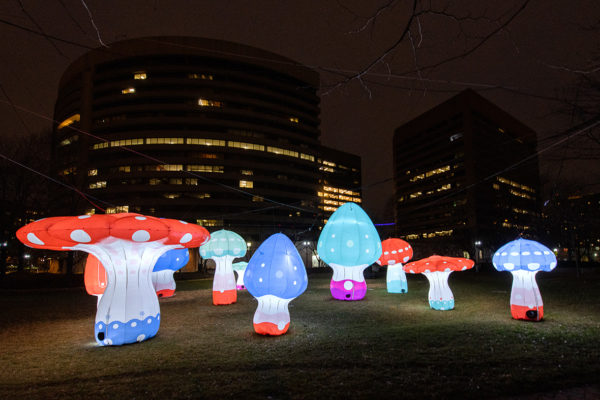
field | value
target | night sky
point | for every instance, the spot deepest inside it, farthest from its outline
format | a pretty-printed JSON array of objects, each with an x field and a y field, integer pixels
[{"x": 523, "y": 68}]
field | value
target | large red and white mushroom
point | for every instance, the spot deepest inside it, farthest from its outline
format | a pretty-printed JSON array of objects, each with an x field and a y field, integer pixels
[
  {"x": 127, "y": 245},
  {"x": 437, "y": 269},
  {"x": 395, "y": 252}
]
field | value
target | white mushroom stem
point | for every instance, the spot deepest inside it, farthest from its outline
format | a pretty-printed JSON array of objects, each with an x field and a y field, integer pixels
[
  {"x": 342, "y": 273},
  {"x": 224, "y": 278},
  {"x": 163, "y": 280},
  {"x": 272, "y": 309},
  {"x": 525, "y": 291},
  {"x": 240, "y": 277},
  {"x": 438, "y": 286},
  {"x": 129, "y": 293},
  {"x": 395, "y": 272}
]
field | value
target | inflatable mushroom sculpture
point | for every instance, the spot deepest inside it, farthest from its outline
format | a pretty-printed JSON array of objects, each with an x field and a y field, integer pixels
[
  {"x": 395, "y": 252},
  {"x": 240, "y": 268},
  {"x": 349, "y": 243},
  {"x": 128, "y": 246},
  {"x": 275, "y": 276},
  {"x": 166, "y": 265},
  {"x": 94, "y": 277},
  {"x": 223, "y": 247},
  {"x": 523, "y": 259},
  {"x": 437, "y": 269}
]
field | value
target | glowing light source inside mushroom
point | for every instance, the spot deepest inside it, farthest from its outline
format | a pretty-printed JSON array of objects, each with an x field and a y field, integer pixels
[
  {"x": 437, "y": 269},
  {"x": 275, "y": 275},
  {"x": 349, "y": 243},
  {"x": 394, "y": 253},
  {"x": 224, "y": 247},
  {"x": 127, "y": 246},
  {"x": 524, "y": 259},
  {"x": 166, "y": 265}
]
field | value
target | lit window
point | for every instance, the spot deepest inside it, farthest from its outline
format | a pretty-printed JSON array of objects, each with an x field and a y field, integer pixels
[
  {"x": 209, "y": 222},
  {"x": 258, "y": 199},
  {"x": 191, "y": 181},
  {"x": 169, "y": 140},
  {"x": 97, "y": 185},
  {"x": 139, "y": 75},
  {"x": 205, "y": 142},
  {"x": 171, "y": 195},
  {"x": 206, "y": 168},
  {"x": 69, "y": 140},
  {"x": 129, "y": 90},
  {"x": 201, "y": 76},
  {"x": 102, "y": 145},
  {"x": 155, "y": 181},
  {"x": 117, "y": 209},
  {"x": 307, "y": 157},
  {"x": 209, "y": 103},
  {"x": 247, "y": 172},
  {"x": 92, "y": 172},
  {"x": 294, "y": 120},
  {"x": 496, "y": 186},
  {"x": 246, "y": 184},
  {"x": 125, "y": 168},
  {"x": 175, "y": 181}
]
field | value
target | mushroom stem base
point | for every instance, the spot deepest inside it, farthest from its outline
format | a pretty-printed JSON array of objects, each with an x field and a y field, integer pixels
[
  {"x": 116, "y": 333},
  {"x": 348, "y": 289},
  {"x": 272, "y": 316},
  {"x": 526, "y": 313},
  {"x": 525, "y": 298},
  {"x": 396, "y": 279},
  {"x": 165, "y": 293},
  {"x": 225, "y": 297},
  {"x": 440, "y": 295}
]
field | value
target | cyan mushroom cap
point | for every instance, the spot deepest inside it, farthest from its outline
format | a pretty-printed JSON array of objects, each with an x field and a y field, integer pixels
[
  {"x": 276, "y": 268},
  {"x": 239, "y": 266},
  {"x": 224, "y": 243},
  {"x": 523, "y": 254},
  {"x": 349, "y": 238},
  {"x": 172, "y": 259}
]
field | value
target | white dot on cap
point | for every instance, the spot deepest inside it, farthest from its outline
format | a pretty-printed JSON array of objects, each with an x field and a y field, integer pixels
[
  {"x": 140, "y": 236},
  {"x": 34, "y": 239},
  {"x": 279, "y": 274},
  {"x": 81, "y": 236},
  {"x": 183, "y": 222},
  {"x": 185, "y": 238},
  {"x": 84, "y": 216},
  {"x": 260, "y": 279},
  {"x": 140, "y": 218},
  {"x": 367, "y": 250},
  {"x": 349, "y": 243}
]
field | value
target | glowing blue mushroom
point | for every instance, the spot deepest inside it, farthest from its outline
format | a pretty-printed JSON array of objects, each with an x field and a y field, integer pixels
[
  {"x": 166, "y": 265},
  {"x": 275, "y": 275},
  {"x": 224, "y": 247},
  {"x": 349, "y": 243},
  {"x": 523, "y": 259}
]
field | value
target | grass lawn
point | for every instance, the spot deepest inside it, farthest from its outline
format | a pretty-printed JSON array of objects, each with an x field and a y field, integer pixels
[{"x": 390, "y": 345}]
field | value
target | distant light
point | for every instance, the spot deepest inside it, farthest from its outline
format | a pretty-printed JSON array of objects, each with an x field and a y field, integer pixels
[
  {"x": 478, "y": 243},
  {"x": 249, "y": 244},
  {"x": 26, "y": 256}
]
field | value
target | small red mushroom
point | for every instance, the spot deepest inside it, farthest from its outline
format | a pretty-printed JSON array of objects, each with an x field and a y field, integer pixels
[
  {"x": 437, "y": 269},
  {"x": 127, "y": 245},
  {"x": 395, "y": 252}
]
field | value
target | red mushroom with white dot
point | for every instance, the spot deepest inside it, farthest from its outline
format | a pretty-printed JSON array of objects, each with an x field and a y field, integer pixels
[
  {"x": 395, "y": 252},
  {"x": 437, "y": 269},
  {"x": 127, "y": 245}
]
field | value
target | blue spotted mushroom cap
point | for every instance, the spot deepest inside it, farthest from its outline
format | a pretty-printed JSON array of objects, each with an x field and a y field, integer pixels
[
  {"x": 523, "y": 254},
  {"x": 276, "y": 268},
  {"x": 224, "y": 243},
  {"x": 349, "y": 238},
  {"x": 172, "y": 259}
]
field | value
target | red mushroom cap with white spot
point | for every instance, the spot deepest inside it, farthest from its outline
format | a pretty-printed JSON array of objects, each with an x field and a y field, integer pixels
[
  {"x": 395, "y": 251},
  {"x": 59, "y": 233},
  {"x": 438, "y": 264}
]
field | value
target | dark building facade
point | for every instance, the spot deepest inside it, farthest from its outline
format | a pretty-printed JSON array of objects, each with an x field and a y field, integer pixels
[
  {"x": 466, "y": 178},
  {"x": 207, "y": 131}
]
